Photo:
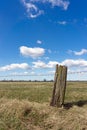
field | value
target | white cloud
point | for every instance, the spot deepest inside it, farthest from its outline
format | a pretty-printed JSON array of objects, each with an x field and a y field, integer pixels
[
  {"x": 75, "y": 63},
  {"x": 39, "y": 42},
  {"x": 62, "y": 22},
  {"x": 33, "y": 11},
  {"x": 32, "y": 52},
  {"x": 52, "y": 64},
  {"x": 67, "y": 62},
  {"x": 41, "y": 64},
  {"x": 83, "y": 51},
  {"x": 14, "y": 66}
]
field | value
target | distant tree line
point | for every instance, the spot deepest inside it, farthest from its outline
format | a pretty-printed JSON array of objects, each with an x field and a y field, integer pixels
[{"x": 44, "y": 80}]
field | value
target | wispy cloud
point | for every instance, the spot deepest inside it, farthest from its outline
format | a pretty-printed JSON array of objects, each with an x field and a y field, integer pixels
[
  {"x": 14, "y": 66},
  {"x": 49, "y": 51},
  {"x": 39, "y": 42},
  {"x": 62, "y": 22},
  {"x": 78, "y": 53},
  {"x": 69, "y": 51},
  {"x": 46, "y": 58},
  {"x": 34, "y": 11},
  {"x": 32, "y": 52},
  {"x": 83, "y": 51},
  {"x": 60, "y": 3}
]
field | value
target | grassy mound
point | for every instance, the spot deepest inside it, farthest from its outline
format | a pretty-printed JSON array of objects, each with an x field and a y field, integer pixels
[
  {"x": 21, "y": 115},
  {"x": 25, "y": 115}
]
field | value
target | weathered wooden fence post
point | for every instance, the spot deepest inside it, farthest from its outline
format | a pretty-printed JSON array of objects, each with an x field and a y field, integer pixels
[{"x": 58, "y": 94}]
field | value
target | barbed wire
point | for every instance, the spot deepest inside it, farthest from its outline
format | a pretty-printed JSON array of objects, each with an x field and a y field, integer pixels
[
  {"x": 22, "y": 75},
  {"x": 27, "y": 75},
  {"x": 77, "y": 72}
]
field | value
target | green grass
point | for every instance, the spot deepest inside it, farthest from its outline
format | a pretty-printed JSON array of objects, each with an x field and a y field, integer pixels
[
  {"x": 32, "y": 91},
  {"x": 76, "y": 91},
  {"x": 25, "y": 106},
  {"x": 41, "y": 91}
]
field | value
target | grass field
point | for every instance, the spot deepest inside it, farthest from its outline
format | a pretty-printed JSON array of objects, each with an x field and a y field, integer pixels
[{"x": 25, "y": 106}]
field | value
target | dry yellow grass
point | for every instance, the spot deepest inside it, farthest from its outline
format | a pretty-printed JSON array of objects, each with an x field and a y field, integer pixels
[{"x": 25, "y": 115}]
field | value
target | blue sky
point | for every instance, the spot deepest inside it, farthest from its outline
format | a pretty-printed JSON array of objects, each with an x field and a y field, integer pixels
[{"x": 35, "y": 35}]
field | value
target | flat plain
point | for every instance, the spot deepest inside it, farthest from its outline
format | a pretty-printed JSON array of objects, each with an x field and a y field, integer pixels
[{"x": 26, "y": 106}]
